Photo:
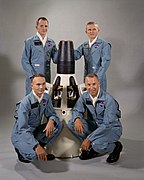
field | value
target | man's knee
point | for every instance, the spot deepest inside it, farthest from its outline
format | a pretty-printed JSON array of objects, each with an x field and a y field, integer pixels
[
  {"x": 100, "y": 148},
  {"x": 26, "y": 153}
]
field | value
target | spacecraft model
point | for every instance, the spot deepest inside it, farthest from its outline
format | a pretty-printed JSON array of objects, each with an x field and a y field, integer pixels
[{"x": 64, "y": 93}]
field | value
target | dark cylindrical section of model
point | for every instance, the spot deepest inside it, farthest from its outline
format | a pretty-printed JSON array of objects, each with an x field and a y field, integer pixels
[{"x": 66, "y": 63}]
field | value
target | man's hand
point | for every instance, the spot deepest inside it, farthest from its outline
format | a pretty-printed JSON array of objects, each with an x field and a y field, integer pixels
[
  {"x": 41, "y": 153},
  {"x": 78, "y": 125},
  {"x": 85, "y": 144},
  {"x": 49, "y": 129}
]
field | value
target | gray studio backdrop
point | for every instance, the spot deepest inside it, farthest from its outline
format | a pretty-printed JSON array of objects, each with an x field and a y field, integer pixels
[{"x": 121, "y": 23}]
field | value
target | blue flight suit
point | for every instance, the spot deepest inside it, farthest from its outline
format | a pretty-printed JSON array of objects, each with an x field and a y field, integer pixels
[
  {"x": 101, "y": 123},
  {"x": 37, "y": 59},
  {"x": 97, "y": 59},
  {"x": 26, "y": 133}
]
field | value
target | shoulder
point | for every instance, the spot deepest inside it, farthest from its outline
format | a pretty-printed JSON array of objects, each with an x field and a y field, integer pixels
[
  {"x": 46, "y": 96},
  {"x": 105, "y": 96},
  {"x": 104, "y": 42},
  {"x": 110, "y": 100},
  {"x": 27, "y": 99},
  {"x": 51, "y": 41},
  {"x": 84, "y": 96},
  {"x": 109, "y": 96},
  {"x": 31, "y": 39},
  {"x": 24, "y": 104},
  {"x": 85, "y": 44}
]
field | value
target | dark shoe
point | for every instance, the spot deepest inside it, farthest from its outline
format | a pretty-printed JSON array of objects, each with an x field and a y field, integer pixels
[
  {"x": 114, "y": 156},
  {"x": 50, "y": 157},
  {"x": 85, "y": 155},
  {"x": 21, "y": 158}
]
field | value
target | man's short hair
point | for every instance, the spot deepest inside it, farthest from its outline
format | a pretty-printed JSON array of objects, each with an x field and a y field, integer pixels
[
  {"x": 43, "y": 18},
  {"x": 92, "y": 22},
  {"x": 91, "y": 75},
  {"x": 37, "y": 75}
]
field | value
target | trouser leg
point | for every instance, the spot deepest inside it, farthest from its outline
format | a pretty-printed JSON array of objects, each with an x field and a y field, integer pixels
[
  {"x": 86, "y": 130},
  {"x": 27, "y": 85},
  {"x": 103, "y": 83},
  {"x": 106, "y": 142},
  {"x": 41, "y": 136}
]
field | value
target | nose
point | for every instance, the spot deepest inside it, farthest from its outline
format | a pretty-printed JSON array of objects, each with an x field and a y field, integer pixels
[
  {"x": 91, "y": 87},
  {"x": 41, "y": 86}
]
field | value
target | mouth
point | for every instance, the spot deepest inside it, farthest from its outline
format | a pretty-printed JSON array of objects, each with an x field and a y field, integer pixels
[{"x": 41, "y": 91}]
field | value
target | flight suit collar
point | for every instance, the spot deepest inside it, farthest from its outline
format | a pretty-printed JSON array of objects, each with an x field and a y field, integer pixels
[
  {"x": 42, "y": 40},
  {"x": 91, "y": 43},
  {"x": 100, "y": 103},
  {"x": 32, "y": 98},
  {"x": 35, "y": 104},
  {"x": 95, "y": 46}
]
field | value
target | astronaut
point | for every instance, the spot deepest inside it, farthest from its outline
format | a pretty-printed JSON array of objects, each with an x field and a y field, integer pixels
[
  {"x": 29, "y": 134},
  {"x": 96, "y": 52},
  {"x": 37, "y": 53},
  {"x": 96, "y": 122}
]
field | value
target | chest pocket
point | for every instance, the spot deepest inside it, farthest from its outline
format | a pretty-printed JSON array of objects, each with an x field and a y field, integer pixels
[
  {"x": 35, "y": 109},
  {"x": 34, "y": 113},
  {"x": 100, "y": 110},
  {"x": 37, "y": 46}
]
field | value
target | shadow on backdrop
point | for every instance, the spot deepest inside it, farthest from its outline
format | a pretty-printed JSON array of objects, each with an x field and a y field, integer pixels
[
  {"x": 7, "y": 78},
  {"x": 131, "y": 158},
  {"x": 42, "y": 168},
  {"x": 132, "y": 155}
]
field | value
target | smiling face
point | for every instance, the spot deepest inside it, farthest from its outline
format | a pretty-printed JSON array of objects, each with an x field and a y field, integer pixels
[
  {"x": 92, "y": 31},
  {"x": 42, "y": 27},
  {"x": 38, "y": 85},
  {"x": 92, "y": 85}
]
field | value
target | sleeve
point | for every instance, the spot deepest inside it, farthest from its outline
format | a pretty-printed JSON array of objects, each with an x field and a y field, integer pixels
[
  {"x": 105, "y": 60},
  {"x": 24, "y": 129},
  {"x": 26, "y": 58},
  {"x": 54, "y": 53},
  {"x": 78, "y": 53}
]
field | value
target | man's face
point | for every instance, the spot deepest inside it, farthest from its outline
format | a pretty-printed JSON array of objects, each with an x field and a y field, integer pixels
[
  {"x": 42, "y": 27},
  {"x": 38, "y": 85},
  {"x": 92, "y": 85},
  {"x": 92, "y": 31}
]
